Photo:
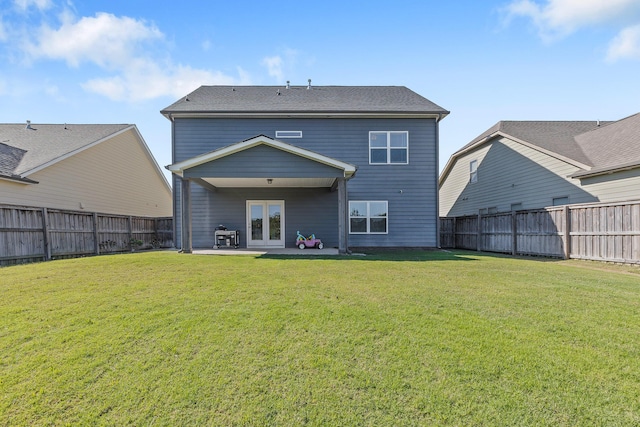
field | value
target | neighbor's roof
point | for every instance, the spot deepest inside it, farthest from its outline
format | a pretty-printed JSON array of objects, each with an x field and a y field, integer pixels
[
  {"x": 590, "y": 145},
  {"x": 298, "y": 100},
  {"x": 26, "y": 149},
  {"x": 612, "y": 147}
]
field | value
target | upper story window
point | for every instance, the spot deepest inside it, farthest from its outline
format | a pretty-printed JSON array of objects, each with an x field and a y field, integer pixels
[
  {"x": 473, "y": 171},
  {"x": 288, "y": 134},
  {"x": 368, "y": 217},
  {"x": 388, "y": 147}
]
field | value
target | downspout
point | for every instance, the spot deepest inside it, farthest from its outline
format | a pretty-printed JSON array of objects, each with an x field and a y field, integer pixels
[
  {"x": 436, "y": 180},
  {"x": 174, "y": 182}
]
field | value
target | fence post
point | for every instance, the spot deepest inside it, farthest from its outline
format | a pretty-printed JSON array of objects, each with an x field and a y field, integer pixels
[
  {"x": 567, "y": 232},
  {"x": 479, "y": 233},
  {"x": 46, "y": 234},
  {"x": 130, "y": 224},
  {"x": 514, "y": 234},
  {"x": 96, "y": 244},
  {"x": 454, "y": 232}
]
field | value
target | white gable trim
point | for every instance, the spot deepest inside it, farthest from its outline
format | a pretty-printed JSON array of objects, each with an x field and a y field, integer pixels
[
  {"x": 73, "y": 153},
  {"x": 180, "y": 167}
]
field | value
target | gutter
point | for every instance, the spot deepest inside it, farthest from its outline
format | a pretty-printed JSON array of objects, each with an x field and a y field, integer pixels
[
  {"x": 18, "y": 179},
  {"x": 605, "y": 170}
]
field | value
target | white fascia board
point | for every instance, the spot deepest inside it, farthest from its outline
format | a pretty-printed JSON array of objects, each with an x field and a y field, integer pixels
[
  {"x": 149, "y": 154},
  {"x": 329, "y": 114},
  {"x": 180, "y": 167},
  {"x": 19, "y": 180}
]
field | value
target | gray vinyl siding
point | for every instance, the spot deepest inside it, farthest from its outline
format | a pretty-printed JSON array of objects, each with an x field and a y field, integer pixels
[
  {"x": 308, "y": 210},
  {"x": 615, "y": 187},
  {"x": 258, "y": 162},
  {"x": 509, "y": 173},
  {"x": 409, "y": 189}
]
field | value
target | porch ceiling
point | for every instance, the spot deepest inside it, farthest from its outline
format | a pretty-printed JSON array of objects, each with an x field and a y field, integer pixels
[{"x": 275, "y": 182}]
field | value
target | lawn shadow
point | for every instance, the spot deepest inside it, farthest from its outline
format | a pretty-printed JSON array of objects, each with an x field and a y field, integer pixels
[{"x": 394, "y": 255}]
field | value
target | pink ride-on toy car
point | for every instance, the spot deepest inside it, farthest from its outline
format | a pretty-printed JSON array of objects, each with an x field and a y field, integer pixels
[{"x": 308, "y": 242}]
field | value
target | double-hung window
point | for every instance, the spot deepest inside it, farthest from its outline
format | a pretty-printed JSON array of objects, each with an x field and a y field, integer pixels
[
  {"x": 368, "y": 217},
  {"x": 389, "y": 147},
  {"x": 473, "y": 171}
]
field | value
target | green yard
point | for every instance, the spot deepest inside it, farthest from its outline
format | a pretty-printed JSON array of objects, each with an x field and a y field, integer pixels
[{"x": 396, "y": 339}]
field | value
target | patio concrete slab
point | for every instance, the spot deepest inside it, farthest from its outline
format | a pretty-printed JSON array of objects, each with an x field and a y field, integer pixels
[{"x": 258, "y": 252}]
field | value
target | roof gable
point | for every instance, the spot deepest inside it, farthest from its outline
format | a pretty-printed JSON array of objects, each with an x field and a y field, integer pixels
[
  {"x": 245, "y": 100},
  {"x": 37, "y": 146},
  {"x": 180, "y": 167},
  {"x": 43, "y": 145}
]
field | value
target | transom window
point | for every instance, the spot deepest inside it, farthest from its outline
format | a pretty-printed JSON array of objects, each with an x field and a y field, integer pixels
[
  {"x": 368, "y": 217},
  {"x": 388, "y": 147}
]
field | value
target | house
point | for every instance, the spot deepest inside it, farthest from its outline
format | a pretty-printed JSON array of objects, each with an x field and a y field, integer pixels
[
  {"x": 355, "y": 165},
  {"x": 104, "y": 168},
  {"x": 533, "y": 164}
]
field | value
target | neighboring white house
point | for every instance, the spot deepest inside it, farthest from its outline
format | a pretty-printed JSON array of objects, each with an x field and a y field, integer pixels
[
  {"x": 104, "y": 168},
  {"x": 532, "y": 164}
]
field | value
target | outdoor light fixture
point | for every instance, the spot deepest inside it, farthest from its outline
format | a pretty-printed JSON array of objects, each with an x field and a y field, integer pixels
[{"x": 269, "y": 181}]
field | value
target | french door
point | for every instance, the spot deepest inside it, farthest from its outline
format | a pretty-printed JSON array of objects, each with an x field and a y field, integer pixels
[{"x": 265, "y": 223}]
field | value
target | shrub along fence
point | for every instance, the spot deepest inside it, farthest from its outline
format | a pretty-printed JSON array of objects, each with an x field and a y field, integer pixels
[
  {"x": 601, "y": 232},
  {"x": 40, "y": 234}
]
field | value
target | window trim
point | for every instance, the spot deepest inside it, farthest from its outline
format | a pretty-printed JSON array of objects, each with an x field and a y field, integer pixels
[
  {"x": 368, "y": 217},
  {"x": 389, "y": 148},
  {"x": 288, "y": 134},
  {"x": 473, "y": 171}
]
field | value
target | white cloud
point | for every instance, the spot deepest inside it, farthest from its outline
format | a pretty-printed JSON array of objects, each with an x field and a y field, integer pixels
[
  {"x": 146, "y": 79},
  {"x": 558, "y": 18},
  {"x": 125, "y": 47},
  {"x": 40, "y": 4},
  {"x": 626, "y": 45},
  {"x": 3, "y": 31},
  {"x": 282, "y": 65},
  {"x": 106, "y": 40},
  {"x": 274, "y": 66}
]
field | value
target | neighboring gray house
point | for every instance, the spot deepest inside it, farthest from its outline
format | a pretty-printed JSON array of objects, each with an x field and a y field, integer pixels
[
  {"x": 355, "y": 165},
  {"x": 104, "y": 168},
  {"x": 533, "y": 164}
]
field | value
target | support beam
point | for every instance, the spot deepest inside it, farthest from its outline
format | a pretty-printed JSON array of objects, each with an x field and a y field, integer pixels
[
  {"x": 187, "y": 242},
  {"x": 343, "y": 217}
]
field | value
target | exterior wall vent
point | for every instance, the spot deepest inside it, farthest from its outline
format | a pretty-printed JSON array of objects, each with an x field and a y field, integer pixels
[{"x": 288, "y": 134}]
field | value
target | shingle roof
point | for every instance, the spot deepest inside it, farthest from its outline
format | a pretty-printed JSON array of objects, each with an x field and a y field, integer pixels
[
  {"x": 597, "y": 146},
  {"x": 299, "y": 99},
  {"x": 613, "y": 146},
  {"x": 23, "y": 148},
  {"x": 554, "y": 136}
]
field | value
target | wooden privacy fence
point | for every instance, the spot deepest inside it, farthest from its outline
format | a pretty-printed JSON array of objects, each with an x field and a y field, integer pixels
[
  {"x": 602, "y": 232},
  {"x": 41, "y": 234}
]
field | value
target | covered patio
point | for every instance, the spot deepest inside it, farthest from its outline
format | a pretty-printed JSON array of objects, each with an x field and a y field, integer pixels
[{"x": 262, "y": 173}]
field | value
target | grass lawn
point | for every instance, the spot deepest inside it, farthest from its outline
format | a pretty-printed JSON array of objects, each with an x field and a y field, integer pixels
[{"x": 395, "y": 339}]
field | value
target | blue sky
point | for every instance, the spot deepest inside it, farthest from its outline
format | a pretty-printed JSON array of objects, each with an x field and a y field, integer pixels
[{"x": 122, "y": 61}]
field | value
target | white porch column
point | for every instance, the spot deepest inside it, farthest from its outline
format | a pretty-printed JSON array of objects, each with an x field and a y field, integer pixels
[
  {"x": 343, "y": 217},
  {"x": 187, "y": 242}
]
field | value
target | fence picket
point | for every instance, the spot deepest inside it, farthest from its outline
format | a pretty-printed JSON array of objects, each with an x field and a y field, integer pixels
[
  {"x": 603, "y": 232},
  {"x": 30, "y": 234}
]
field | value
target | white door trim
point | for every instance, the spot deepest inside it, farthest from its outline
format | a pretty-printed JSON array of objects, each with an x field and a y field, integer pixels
[{"x": 265, "y": 242}]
